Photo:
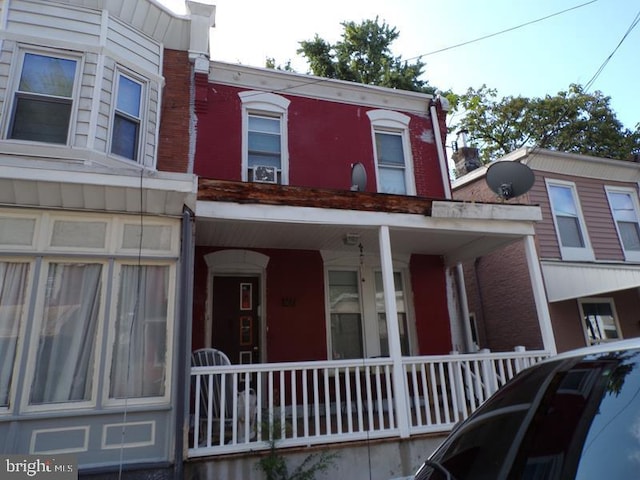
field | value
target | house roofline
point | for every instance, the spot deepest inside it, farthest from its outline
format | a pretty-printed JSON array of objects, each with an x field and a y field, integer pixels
[{"x": 564, "y": 163}]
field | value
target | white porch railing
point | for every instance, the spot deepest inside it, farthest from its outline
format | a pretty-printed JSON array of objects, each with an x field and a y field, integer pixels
[{"x": 241, "y": 407}]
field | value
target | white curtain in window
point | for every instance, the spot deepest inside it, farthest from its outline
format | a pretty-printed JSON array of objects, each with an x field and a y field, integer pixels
[
  {"x": 138, "y": 367},
  {"x": 13, "y": 283},
  {"x": 66, "y": 348}
]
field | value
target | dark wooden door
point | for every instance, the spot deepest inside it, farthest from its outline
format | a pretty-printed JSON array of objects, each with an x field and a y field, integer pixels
[{"x": 236, "y": 325}]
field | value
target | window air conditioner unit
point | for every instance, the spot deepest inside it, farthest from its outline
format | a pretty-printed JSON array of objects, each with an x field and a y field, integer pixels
[{"x": 264, "y": 174}]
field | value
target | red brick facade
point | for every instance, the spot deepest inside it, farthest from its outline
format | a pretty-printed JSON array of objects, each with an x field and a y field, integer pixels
[{"x": 173, "y": 145}]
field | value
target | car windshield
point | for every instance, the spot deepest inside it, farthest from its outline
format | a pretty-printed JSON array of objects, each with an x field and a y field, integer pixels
[{"x": 577, "y": 418}]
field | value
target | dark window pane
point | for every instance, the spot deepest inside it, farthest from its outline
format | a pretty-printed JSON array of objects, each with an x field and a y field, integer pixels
[
  {"x": 570, "y": 232},
  {"x": 630, "y": 235},
  {"x": 41, "y": 120},
  {"x": 125, "y": 137}
]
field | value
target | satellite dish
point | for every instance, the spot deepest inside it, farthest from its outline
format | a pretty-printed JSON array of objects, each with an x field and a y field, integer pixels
[
  {"x": 358, "y": 177},
  {"x": 509, "y": 179}
]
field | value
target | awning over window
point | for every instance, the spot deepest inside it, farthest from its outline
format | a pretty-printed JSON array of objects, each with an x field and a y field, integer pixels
[{"x": 566, "y": 281}]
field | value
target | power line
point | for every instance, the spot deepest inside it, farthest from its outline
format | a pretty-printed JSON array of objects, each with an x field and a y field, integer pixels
[{"x": 501, "y": 31}]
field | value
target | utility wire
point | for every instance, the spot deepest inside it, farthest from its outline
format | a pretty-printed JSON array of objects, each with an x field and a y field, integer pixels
[{"x": 501, "y": 31}]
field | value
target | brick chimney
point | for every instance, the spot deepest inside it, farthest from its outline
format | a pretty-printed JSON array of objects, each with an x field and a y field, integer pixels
[{"x": 466, "y": 158}]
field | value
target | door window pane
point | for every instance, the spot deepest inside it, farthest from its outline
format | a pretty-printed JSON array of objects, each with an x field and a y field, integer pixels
[
  {"x": 13, "y": 284},
  {"x": 66, "y": 349},
  {"x": 346, "y": 318},
  {"x": 139, "y": 362}
]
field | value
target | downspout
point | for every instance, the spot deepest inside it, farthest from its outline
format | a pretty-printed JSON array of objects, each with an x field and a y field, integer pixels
[
  {"x": 183, "y": 364},
  {"x": 442, "y": 159},
  {"x": 446, "y": 184}
]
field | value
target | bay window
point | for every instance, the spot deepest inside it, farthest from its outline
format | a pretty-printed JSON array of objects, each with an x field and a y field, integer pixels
[
  {"x": 43, "y": 99},
  {"x": 94, "y": 315},
  {"x": 127, "y": 117},
  {"x": 69, "y": 319},
  {"x": 13, "y": 296}
]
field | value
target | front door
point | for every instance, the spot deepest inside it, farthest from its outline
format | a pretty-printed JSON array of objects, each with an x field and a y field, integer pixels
[{"x": 236, "y": 325}]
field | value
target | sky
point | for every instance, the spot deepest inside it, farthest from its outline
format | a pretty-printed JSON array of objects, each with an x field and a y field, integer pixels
[{"x": 539, "y": 59}]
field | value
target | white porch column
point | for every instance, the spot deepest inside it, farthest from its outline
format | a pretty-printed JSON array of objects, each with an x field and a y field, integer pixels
[
  {"x": 539, "y": 295},
  {"x": 393, "y": 333}
]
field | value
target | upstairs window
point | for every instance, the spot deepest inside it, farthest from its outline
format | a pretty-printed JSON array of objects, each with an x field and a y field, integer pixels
[
  {"x": 43, "y": 99},
  {"x": 569, "y": 222},
  {"x": 264, "y": 138},
  {"x": 392, "y": 152},
  {"x": 127, "y": 119},
  {"x": 624, "y": 210},
  {"x": 264, "y": 141},
  {"x": 391, "y": 163}
]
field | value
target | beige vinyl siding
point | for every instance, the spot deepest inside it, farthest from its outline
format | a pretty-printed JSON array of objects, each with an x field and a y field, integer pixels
[
  {"x": 55, "y": 21},
  {"x": 140, "y": 52},
  {"x": 545, "y": 229},
  {"x": 6, "y": 56},
  {"x": 597, "y": 216}
]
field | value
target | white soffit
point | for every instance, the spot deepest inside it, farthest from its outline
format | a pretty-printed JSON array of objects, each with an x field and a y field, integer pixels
[{"x": 567, "y": 281}]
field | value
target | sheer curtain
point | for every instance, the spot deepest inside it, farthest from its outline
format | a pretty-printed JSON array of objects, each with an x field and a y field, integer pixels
[
  {"x": 13, "y": 284},
  {"x": 66, "y": 348},
  {"x": 138, "y": 367}
]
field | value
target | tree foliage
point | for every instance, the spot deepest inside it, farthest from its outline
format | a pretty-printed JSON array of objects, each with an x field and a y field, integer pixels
[
  {"x": 570, "y": 121},
  {"x": 364, "y": 55}
]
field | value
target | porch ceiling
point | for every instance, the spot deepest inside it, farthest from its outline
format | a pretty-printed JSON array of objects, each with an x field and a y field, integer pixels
[
  {"x": 458, "y": 245},
  {"x": 254, "y": 215}
]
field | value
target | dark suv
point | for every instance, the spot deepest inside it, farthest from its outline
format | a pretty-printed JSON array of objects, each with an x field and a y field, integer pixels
[{"x": 573, "y": 416}]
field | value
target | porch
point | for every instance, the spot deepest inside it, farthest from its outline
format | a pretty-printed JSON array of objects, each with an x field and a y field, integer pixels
[{"x": 327, "y": 402}]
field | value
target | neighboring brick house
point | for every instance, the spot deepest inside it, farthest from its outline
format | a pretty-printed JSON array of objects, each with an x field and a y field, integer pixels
[
  {"x": 95, "y": 187},
  {"x": 588, "y": 244}
]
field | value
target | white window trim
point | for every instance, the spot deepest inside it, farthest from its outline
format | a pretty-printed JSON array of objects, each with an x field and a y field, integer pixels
[
  {"x": 387, "y": 121},
  {"x": 338, "y": 261},
  {"x": 629, "y": 255},
  {"x": 144, "y": 105},
  {"x": 9, "y": 106},
  {"x": 608, "y": 300},
  {"x": 571, "y": 253},
  {"x": 168, "y": 380},
  {"x": 35, "y": 333},
  {"x": 269, "y": 104}
]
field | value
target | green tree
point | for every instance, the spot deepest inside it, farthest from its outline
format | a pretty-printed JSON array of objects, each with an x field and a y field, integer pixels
[
  {"x": 364, "y": 55},
  {"x": 570, "y": 121}
]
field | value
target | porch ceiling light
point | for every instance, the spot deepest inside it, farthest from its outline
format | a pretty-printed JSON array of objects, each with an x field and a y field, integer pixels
[{"x": 351, "y": 239}]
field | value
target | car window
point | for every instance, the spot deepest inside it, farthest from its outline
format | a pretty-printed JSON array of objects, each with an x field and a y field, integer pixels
[
  {"x": 476, "y": 449},
  {"x": 572, "y": 419}
]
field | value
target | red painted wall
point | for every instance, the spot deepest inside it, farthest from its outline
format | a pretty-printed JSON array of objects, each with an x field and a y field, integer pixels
[
  {"x": 430, "y": 304},
  {"x": 294, "y": 306},
  {"x": 325, "y": 138}
]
